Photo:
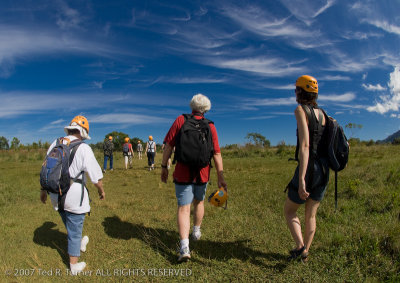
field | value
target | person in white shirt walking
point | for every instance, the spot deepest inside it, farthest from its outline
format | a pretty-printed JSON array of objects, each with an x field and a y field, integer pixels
[
  {"x": 139, "y": 150},
  {"x": 76, "y": 202},
  {"x": 151, "y": 152}
]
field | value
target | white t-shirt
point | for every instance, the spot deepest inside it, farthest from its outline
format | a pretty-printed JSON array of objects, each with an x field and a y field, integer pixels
[{"x": 84, "y": 160}]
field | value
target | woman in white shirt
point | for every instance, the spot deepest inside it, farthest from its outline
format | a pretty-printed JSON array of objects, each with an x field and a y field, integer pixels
[{"x": 76, "y": 201}]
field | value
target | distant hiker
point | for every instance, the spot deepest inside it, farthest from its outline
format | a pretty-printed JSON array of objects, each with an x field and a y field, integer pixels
[
  {"x": 192, "y": 170},
  {"x": 108, "y": 148},
  {"x": 72, "y": 201},
  {"x": 311, "y": 177},
  {"x": 151, "y": 152},
  {"x": 127, "y": 151},
  {"x": 139, "y": 150}
]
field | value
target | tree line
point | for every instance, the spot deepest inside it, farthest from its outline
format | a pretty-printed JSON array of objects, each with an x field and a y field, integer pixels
[{"x": 118, "y": 140}]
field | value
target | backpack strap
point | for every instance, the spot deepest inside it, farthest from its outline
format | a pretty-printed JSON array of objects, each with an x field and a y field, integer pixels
[
  {"x": 312, "y": 127},
  {"x": 76, "y": 180}
]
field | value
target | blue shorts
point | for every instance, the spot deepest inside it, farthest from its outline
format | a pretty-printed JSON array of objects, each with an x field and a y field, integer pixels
[
  {"x": 319, "y": 186},
  {"x": 74, "y": 224},
  {"x": 186, "y": 193}
]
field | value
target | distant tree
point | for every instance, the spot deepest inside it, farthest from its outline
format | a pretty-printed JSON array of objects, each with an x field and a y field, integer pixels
[
  {"x": 353, "y": 128},
  {"x": 35, "y": 145},
  {"x": 15, "y": 143},
  {"x": 396, "y": 141},
  {"x": 354, "y": 141},
  {"x": 98, "y": 145},
  {"x": 134, "y": 142},
  {"x": 118, "y": 139},
  {"x": 258, "y": 139},
  {"x": 4, "y": 143}
]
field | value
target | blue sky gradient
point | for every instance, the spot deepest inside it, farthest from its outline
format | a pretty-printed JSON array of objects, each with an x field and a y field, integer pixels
[{"x": 133, "y": 66}]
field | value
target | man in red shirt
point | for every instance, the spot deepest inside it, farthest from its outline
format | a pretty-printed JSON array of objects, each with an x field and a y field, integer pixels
[{"x": 191, "y": 186}]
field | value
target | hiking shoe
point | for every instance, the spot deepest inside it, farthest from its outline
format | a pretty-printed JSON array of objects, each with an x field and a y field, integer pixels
[
  {"x": 111, "y": 169},
  {"x": 196, "y": 235},
  {"x": 296, "y": 253},
  {"x": 84, "y": 242},
  {"x": 77, "y": 267},
  {"x": 104, "y": 170},
  {"x": 184, "y": 255}
]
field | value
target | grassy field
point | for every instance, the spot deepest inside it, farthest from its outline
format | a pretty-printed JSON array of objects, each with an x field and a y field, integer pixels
[{"x": 133, "y": 234}]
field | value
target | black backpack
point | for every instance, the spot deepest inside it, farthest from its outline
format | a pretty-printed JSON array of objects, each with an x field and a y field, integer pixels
[
  {"x": 335, "y": 142},
  {"x": 337, "y": 145},
  {"x": 54, "y": 175},
  {"x": 125, "y": 149},
  {"x": 194, "y": 146}
]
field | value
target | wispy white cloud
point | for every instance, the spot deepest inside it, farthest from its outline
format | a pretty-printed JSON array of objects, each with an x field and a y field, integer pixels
[
  {"x": 271, "y": 67},
  {"x": 24, "y": 43},
  {"x": 344, "y": 62},
  {"x": 98, "y": 84},
  {"x": 127, "y": 119},
  {"x": 307, "y": 11},
  {"x": 358, "y": 35},
  {"x": 389, "y": 102},
  {"x": 271, "y": 102},
  {"x": 190, "y": 80},
  {"x": 334, "y": 78},
  {"x": 371, "y": 87},
  {"x": 346, "y": 97},
  {"x": 395, "y": 116},
  {"x": 385, "y": 25},
  {"x": 258, "y": 20},
  {"x": 67, "y": 17},
  {"x": 57, "y": 122},
  {"x": 259, "y": 118},
  {"x": 15, "y": 104}
]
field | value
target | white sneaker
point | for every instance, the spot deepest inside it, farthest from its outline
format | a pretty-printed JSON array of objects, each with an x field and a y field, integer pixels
[
  {"x": 196, "y": 235},
  {"x": 184, "y": 255},
  {"x": 84, "y": 242},
  {"x": 77, "y": 267}
]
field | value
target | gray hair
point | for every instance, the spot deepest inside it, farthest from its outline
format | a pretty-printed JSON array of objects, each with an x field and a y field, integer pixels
[{"x": 200, "y": 103}]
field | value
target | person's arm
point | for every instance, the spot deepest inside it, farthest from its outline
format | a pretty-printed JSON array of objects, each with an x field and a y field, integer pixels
[
  {"x": 220, "y": 170},
  {"x": 164, "y": 163},
  {"x": 100, "y": 189},
  {"x": 147, "y": 145},
  {"x": 304, "y": 146}
]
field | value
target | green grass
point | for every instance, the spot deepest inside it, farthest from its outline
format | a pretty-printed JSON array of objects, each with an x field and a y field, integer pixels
[{"x": 134, "y": 228}]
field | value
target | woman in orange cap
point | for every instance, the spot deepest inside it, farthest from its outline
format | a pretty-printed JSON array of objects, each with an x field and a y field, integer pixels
[{"x": 311, "y": 177}]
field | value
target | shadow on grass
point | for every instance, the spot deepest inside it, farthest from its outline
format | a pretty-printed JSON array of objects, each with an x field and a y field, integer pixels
[
  {"x": 166, "y": 242},
  {"x": 46, "y": 236}
]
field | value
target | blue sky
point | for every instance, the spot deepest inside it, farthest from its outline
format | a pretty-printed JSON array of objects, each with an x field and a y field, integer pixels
[{"x": 133, "y": 66}]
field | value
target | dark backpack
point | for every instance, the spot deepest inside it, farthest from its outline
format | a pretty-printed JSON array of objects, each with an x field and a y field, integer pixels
[
  {"x": 194, "y": 146},
  {"x": 125, "y": 148},
  {"x": 337, "y": 145},
  {"x": 54, "y": 175}
]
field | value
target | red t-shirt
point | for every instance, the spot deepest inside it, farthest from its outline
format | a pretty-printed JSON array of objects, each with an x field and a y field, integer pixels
[{"x": 182, "y": 171}]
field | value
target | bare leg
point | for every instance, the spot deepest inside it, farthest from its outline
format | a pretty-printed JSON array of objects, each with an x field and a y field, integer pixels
[
  {"x": 293, "y": 222},
  {"x": 73, "y": 259},
  {"x": 198, "y": 212},
  {"x": 184, "y": 221},
  {"x": 310, "y": 221}
]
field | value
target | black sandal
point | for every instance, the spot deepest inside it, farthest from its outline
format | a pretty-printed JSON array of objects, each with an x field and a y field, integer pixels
[{"x": 295, "y": 253}]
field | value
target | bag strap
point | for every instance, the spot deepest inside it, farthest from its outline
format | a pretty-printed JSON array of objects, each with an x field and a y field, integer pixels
[{"x": 311, "y": 128}]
